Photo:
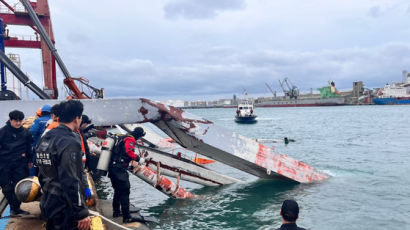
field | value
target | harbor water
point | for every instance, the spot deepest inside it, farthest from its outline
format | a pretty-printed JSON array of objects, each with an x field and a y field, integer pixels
[{"x": 365, "y": 149}]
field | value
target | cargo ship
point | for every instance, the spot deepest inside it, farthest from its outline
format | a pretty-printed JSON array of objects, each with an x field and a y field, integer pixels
[
  {"x": 396, "y": 93},
  {"x": 329, "y": 96}
]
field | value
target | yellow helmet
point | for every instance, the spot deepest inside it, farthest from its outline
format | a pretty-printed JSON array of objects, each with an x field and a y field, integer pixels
[{"x": 38, "y": 112}]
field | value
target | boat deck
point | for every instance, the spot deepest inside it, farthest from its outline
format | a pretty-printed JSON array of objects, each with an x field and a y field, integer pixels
[
  {"x": 106, "y": 210},
  {"x": 33, "y": 220},
  {"x": 36, "y": 223}
]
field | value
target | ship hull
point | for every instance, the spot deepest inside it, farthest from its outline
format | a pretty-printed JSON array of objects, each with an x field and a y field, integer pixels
[
  {"x": 303, "y": 102},
  {"x": 246, "y": 119},
  {"x": 392, "y": 101}
]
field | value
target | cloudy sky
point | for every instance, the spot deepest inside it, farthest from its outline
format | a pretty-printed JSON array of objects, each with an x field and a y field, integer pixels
[{"x": 204, "y": 49}]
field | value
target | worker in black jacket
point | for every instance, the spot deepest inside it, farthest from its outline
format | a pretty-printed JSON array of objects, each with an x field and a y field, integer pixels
[
  {"x": 15, "y": 158},
  {"x": 289, "y": 213},
  {"x": 122, "y": 154},
  {"x": 60, "y": 172}
]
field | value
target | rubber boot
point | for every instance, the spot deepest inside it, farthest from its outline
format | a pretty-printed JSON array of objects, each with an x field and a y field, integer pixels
[
  {"x": 8, "y": 192},
  {"x": 116, "y": 205},
  {"x": 116, "y": 214},
  {"x": 18, "y": 212}
]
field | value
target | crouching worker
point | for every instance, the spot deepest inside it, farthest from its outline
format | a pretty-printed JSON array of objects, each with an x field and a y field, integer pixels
[
  {"x": 15, "y": 158},
  {"x": 122, "y": 154},
  {"x": 60, "y": 172}
]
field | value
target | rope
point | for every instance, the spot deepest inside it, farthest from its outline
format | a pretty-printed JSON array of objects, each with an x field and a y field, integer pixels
[{"x": 97, "y": 214}]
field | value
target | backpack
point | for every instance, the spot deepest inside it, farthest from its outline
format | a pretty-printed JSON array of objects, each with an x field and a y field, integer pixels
[{"x": 118, "y": 150}]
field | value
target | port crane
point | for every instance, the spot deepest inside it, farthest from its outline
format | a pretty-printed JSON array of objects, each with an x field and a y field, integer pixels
[
  {"x": 43, "y": 27},
  {"x": 292, "y": 91},
  {"x": 271, "y": 90}
]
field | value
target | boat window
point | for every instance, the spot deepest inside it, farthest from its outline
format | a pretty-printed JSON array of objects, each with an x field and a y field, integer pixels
[{"x": 240, "y": 108}]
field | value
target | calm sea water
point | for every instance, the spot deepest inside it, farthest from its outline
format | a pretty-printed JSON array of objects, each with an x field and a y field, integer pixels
[{"x": 366, "y": 150}]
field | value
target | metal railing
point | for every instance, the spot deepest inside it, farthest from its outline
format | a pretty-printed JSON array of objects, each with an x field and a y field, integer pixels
[
  {"x": 18, "y": 7},
  {"x": 25, "y": 37}
]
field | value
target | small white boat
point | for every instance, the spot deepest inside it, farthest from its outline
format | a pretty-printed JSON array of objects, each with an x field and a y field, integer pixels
[{"x": 244, "y": 112}]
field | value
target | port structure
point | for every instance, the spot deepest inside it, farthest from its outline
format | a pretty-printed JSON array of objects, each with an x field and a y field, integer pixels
[
  {"x": 17, "y": 15},
  {"x": 292, "y": 91}
]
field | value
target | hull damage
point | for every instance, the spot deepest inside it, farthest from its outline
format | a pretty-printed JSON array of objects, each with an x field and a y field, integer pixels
[
  {"x": 161, "y": 183},
  {"x": 172, "y": 162},
  {"x": 173, "y": 167}
]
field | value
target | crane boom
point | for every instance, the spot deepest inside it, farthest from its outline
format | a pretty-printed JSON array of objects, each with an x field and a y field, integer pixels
[
  {"x": 21, "y": 76},
  {"x": 45, "y": 37},
  {"x": 292, "y": 91},
  {"x": 69, "y": 81},
  {"x": 273, "y": 92},
  {"x": 283, "y": 88}
]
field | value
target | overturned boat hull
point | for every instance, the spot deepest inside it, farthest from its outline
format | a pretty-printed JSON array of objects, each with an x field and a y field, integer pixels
[
  {"x": 172, "y": 166},
  {"x": 163, "y": 156},
  {"x": 191, "y": 132}
]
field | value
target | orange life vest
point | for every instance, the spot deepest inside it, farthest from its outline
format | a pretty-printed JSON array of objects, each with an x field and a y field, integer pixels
[{"x": 82, "y": 145}]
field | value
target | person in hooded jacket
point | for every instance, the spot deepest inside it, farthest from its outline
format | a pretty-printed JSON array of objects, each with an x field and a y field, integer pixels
[{"x": 15, "y": 158}]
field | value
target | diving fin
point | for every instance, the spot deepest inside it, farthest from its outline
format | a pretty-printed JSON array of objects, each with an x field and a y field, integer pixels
[
  {"x": 134, "y": 209},
  {"x": 144, "y": 219}
]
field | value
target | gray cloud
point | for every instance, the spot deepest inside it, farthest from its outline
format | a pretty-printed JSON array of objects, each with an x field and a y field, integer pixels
[
  {"x": 375, "y": 11},
  {"x": 231, "y": 71},
  {"x": 392, "y": 8},
  {"x": 198, "y": 9},
  {"x": 138, "y": 52}
]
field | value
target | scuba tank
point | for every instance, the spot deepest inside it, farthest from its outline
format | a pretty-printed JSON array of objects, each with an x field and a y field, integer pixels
[{"x": 105, "y": 156}]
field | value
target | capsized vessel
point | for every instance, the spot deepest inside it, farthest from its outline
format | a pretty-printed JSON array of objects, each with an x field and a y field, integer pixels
[{"x": 191, "y": 132}]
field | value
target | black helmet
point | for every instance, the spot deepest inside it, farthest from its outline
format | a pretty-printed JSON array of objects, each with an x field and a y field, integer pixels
[
  {"x": 85, "y": 119},
  {"x": 138, "y": 132}
]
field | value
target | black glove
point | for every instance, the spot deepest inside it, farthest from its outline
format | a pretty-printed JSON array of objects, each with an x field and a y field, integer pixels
[
  {"x": 89, "y": 134},
  {"x": 88, "y": 128}
]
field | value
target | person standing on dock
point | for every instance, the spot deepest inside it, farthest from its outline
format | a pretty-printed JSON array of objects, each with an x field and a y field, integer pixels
[
  {"x": 37, "y": 130},
  {"x": 15, "y": 158},
  {"x": 289, "y": 213},
  {"x": 39, "y": 124},
  {"x": 53, "y": 122},
  {"x": 85, "y": 153},
  {"x": 61, "y": 170},
  {"x": 122, "y": 154}
]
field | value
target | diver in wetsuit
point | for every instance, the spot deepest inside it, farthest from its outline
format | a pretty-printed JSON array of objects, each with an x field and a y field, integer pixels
[
  {"x": 122, "y": 154},
  {"x": 60, "y": 172}
]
